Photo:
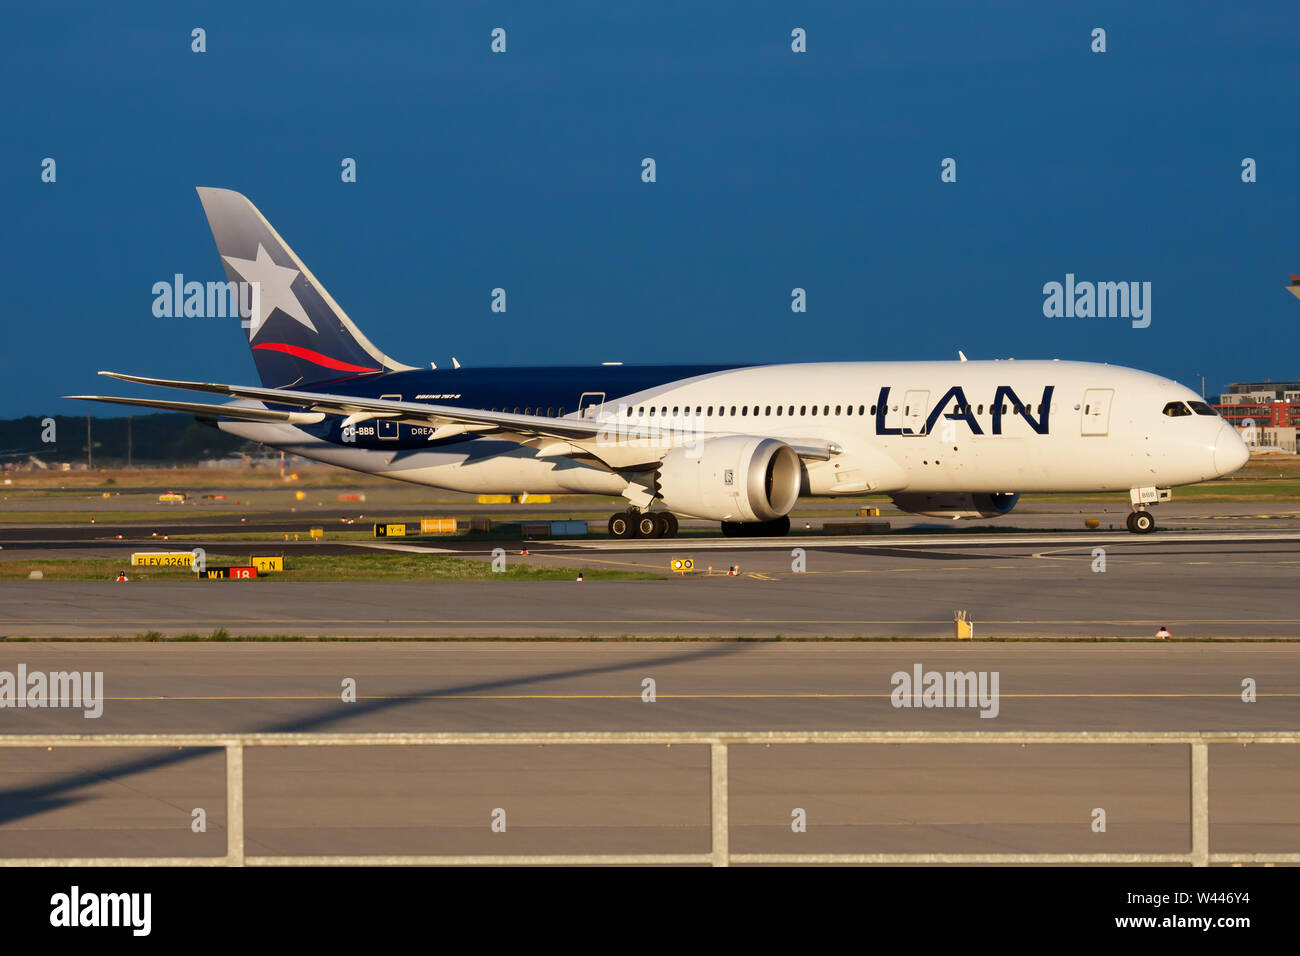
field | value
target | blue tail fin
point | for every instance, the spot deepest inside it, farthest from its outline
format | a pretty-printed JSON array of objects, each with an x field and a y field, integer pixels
[{"x": 298, "y": 333}]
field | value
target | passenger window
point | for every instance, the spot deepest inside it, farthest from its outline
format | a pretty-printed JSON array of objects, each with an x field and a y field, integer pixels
[
  {"x": 803, "y": 409},
  {"x": 768, "y": 410},
  {"x": 652, "y": 411},
  {"x": 733, "y": 409},
  {"x": 814, "y": 409},
  {"x": 779, "y": 410},
  {"x": 826, "y": 410},
  {"x": 710, "y": 411},
  {"x": 744, "y": 410},
  {"x": 837, "y": 409}
]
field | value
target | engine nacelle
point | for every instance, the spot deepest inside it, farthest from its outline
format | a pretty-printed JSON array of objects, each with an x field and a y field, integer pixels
[
  {"x": 956, "y": 504},
  {"x": 736, "y": 478}
]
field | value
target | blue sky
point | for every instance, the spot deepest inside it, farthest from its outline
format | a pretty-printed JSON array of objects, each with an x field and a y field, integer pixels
[{"x": 522, "y": 170}]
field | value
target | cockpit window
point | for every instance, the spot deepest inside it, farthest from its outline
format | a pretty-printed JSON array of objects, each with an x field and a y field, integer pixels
[
  {"x": 1177, "y": 410},
  {"x": 1201, "y": 408}
]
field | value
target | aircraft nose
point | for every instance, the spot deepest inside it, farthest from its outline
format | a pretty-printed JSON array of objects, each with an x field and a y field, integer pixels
[{"x": 1230, "y": 452}]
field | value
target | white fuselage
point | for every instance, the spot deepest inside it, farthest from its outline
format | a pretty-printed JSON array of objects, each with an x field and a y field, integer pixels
[{"x": 989, "y": 426}]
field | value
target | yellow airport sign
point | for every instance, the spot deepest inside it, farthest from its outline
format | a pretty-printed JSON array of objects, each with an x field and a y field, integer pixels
[
  {"x": 269, "y": 563},
  {"x": 682, "y": 565},
  {"x": 162, "y": 559},
  {"x": 963, "y": 626}
]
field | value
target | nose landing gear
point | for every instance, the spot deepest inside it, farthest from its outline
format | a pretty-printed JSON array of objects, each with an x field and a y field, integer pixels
[{"x": 1141, "y": 522}]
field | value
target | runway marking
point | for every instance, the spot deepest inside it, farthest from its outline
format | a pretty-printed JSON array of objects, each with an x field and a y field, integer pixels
[
  {"x": 414, "y": 549},
  {"x": 949, "y": 540},
  {"x": 759, "y": 696}
]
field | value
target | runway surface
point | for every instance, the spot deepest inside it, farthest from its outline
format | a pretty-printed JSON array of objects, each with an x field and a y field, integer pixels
[
  {"x": 1198, "y": 585},
  {"x": 995, "y": 798}
]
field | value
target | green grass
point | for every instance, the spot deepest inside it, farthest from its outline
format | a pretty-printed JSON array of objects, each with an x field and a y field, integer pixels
[
  {"x": 108, "y": 516},
  {"x": 1248, "y": 490},
  {"x": 324, "y": 567}
]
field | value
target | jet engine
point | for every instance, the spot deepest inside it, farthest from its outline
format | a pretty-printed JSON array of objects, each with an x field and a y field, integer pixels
[{"x": 736, "y": 478}]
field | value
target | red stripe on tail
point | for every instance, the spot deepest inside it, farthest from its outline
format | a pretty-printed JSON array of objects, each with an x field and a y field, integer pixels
[{"x": 324, "y": 361}]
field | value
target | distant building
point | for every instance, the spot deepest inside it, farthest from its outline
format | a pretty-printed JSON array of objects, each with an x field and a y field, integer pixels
[
  {"x": 1260, "y": 393},
  {"x": 1267, "y": 414}
]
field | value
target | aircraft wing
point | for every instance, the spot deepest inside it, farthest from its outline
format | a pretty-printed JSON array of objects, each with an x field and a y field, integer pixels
[
  {"x": 221, "y": 411},
  {"x": 553, "y": 436},
  {"x": 447, "y": 419}
]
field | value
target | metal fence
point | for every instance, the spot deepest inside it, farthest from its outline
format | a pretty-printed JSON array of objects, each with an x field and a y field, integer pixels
[{"x": 720, "y": 854}]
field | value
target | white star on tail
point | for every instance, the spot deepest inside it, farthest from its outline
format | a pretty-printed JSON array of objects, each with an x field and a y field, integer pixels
[{"x": 275, "y": 283}]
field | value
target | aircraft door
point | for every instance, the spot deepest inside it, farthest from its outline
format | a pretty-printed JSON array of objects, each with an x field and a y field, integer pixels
[
  {"x": 1096, "y": 411},
  {"x": 387, "y": 427},
  {"x": 916, "y": 404},
  {"x": 589, "y": 405}
]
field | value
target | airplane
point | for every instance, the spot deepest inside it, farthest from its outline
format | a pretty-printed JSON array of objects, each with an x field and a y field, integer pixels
[{"x": 736, "y": 444}]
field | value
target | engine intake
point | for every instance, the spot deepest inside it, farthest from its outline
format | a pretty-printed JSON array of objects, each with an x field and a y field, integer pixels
[{"x": 736, "y": 478}]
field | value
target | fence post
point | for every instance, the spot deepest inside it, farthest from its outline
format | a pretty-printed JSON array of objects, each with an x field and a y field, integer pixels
[
  {"x": 718, "y": 771},
  {"x": 235, "y": 804},
  {"x": 1200, "y": 805}
]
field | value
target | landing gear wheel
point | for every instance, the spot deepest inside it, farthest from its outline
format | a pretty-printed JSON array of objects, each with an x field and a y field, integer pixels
[
  {"x": 667, "y": 523},
  {"x": 1141, "y": 522},
  {"x": 776, "y": 528},
  {"x": 621, "y": 526},
  {"x": 649, "y": 526}
]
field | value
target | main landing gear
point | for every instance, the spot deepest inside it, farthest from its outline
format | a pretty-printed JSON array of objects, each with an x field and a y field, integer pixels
[
  {"x": 776, "y": 528},
  {"x": 1141, "y": 522},
  {"x": 643, "y": 524}
]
